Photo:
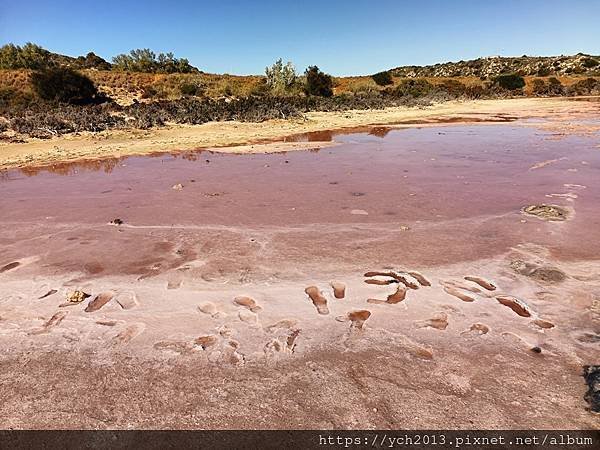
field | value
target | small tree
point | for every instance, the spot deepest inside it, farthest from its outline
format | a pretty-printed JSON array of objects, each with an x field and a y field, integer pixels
[
  {"x": 64, "y": 85},
  {"x": 280, "y": 77},
  {"x": 383, "y": 78},
  {"x": 318, "y": 83}
]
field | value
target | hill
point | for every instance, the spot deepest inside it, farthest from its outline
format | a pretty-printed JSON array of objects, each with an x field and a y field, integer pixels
[{"x": 541, "y": 66}]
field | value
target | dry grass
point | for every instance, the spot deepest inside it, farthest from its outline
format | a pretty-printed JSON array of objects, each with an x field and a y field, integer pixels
[{"x": 125, "y": 87}]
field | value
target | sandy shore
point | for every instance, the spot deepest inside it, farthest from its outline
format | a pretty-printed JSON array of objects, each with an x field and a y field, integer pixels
[{"x": 238, "y": 137}]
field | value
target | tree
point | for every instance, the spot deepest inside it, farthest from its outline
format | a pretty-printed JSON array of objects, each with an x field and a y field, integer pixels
[
  {"x": 280, "y": 78},
  {"x": 318, "y": 83},
  {"x": 64, "y": 85}
]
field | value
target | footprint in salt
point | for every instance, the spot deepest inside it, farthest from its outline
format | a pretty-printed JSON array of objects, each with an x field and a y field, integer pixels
[
  {"x": 476, "y": 329},
  {"x": 248, "y": 317},
  {"x": 99, "y": 301},
  {"x": 357, "y": 319},
  {"x": 248, "y": 303},
  {"x": 9, "y": 266},
  {"x": 54, "y": 321},
  {"x": 516, "y": 304},
  {"x": 282, "y": 324},
  {"x": 439, "y": 321},
  {"x": 482, "y": 282},
  {"x": 392, "y": 299},
  {"x": 128, "y": 334},
  {"x": 206, "y": 341},
  {"x": 542, "y": 323},
  {"x": 317, "y": 299},
  {"x": 420, "y": 278},
  {"x": 127, "y": 300},
  {"x": 456, "y": 293},
  {"x": 211, "y": 310},
  {"x": 339, "y": 289}
]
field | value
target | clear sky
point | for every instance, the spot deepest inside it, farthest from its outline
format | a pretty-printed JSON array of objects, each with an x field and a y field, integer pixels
[{"x": 342, "y": 37}]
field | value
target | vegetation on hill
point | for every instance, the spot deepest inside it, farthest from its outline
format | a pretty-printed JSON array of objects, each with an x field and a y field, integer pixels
[
  {"x": 490, "y": 67},
  {"x": 145, "y": 60},
  {"x": 43, "y": 94}
]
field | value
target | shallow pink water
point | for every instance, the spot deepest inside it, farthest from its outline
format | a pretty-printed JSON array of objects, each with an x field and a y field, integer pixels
[{"x": 460, "y": 188}]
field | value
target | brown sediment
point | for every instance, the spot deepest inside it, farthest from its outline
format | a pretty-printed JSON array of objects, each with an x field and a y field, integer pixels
[{"x": 320, "y": 302}]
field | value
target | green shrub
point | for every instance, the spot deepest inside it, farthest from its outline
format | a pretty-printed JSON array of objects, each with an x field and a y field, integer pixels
[
  {"x": 30, "y": 56},
  {"x": 510, "y": 81},
  {"x": 453, "y": 87},
  {"x": 190, "y": 89},
  {"x": 413, "y": 88},
  {"x": 149, "y": 92},
  {"x": 589, "y": 63},
  {"x": 383, "y": 78},
  {"x": 589, "y": 86},
  {"x": 544, "y": 71},
  {"x": 318, "y": 83},
  {"x": 64, "y": 85},
  {"x": 280, "y": 78},
  {"x": 145, "y": 60},
  {"x": 92, "y": 61}
]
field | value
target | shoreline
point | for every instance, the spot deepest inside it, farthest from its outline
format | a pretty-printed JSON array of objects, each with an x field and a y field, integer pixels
[{"x": 270, "y": 136}]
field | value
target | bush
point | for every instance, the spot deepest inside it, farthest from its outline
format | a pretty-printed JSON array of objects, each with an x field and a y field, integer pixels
[
  {"x": 543, "y": 71},
  {"x": 413, "y": 88},
  {"x": 92, "y": 61},
  {"x": 190, "y": 89},
  {"x": 589, "y": 63},
  {"x": 454, "y": 88},
  {"x": 510, "y": 81},
  {"x": 318, "y": 83},
  {"x": 280, "y": 78},
  {"x": 145, "y": 60},
  {"x": 589, "y": 86},
  {"x": 65, "y": 86},
  {"x": 30, "y": 56},
  {"x": 383, "y": 78},
  {"x": 149, "y": 92}
]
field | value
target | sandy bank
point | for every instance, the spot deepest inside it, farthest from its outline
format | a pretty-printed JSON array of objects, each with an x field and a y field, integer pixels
[{"x": 241, "y": 137}]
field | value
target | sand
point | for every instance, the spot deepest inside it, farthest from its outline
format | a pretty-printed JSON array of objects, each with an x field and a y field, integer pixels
[{"x": 239, "y": 137}]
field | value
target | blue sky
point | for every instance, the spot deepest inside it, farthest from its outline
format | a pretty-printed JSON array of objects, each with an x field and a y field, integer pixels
[{"x": 341, "y": 37}]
